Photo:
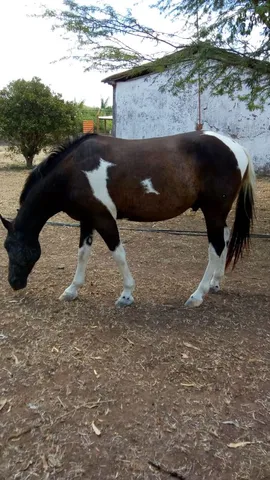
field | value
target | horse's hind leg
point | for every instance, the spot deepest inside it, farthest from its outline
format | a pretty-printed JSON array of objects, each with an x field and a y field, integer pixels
[
  {"x": 86, "y": 239},
  {"x": 107, "y": 228},
  {"x": 218, "y": 235},
  {"x": 219, "y": 272}
]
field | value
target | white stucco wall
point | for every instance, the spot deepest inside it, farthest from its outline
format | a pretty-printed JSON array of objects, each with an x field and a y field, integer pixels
[{"x": 143, "y": 111}]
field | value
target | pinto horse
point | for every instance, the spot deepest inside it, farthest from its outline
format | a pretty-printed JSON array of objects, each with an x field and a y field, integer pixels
[{"x": 97, "y": 179}]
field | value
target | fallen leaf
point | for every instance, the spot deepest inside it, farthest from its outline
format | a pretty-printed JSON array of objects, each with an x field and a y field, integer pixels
[
  {"x": 231, "y": 422},
  {"x": 3, "y": 403},
  {"x": 128, "y": 340},
  {"x": 61, "y": 403},
  {"x": 44, "y": 463},
  {"x": 96, "y": 429},
  {"x": 15, "y": 359},
  {"x": 189, "y": 345},
  {"x": 238, "y": 444},
  {"x": 32, "y": 406}
]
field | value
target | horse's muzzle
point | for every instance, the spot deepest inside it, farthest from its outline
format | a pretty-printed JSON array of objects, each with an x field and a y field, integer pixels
[{"x": 17, "y": 284}]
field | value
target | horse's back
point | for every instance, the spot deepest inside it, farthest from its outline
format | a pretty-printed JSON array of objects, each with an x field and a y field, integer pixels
[{"x": 204, "y": 149}]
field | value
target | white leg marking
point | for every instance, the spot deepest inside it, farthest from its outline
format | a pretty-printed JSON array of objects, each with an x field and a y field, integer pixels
[
  {"x": 148, "y": 186},
  {"x": 72, "y": 291},
  {"x": 213, "y": 265},
  {"x": 126, "y": 297},
  {"x": 238, "y": 151},
  {"x": 98, "y": 182},
  {"x": 219, "y": 272}
]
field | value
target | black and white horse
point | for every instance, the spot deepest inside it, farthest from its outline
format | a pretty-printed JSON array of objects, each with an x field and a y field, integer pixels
[{"x": 98, "y": 179}]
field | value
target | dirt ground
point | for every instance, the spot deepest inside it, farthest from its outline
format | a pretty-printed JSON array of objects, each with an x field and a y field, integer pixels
[{"x": 153, "y": 391}]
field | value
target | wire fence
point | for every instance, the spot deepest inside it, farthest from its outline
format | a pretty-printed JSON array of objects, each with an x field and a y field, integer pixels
[{"x": 191, "y": 233}]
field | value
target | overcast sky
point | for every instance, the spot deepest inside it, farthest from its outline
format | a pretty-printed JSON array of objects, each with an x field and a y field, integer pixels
[{"x": 28, "y": 46}]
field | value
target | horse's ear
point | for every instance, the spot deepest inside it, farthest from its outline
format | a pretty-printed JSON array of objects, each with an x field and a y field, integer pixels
[{"x": 7, "y": 224}]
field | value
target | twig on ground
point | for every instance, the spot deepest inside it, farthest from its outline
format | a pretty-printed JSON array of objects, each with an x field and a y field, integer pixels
[{"x": 171, "y": 473}]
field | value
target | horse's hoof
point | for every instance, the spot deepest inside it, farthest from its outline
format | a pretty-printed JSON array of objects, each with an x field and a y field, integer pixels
[
  {"x": 214, "y": 288},
  {"x": 193, "y": 302},
  {"x": 68, "y": 297},
  {"x": 124, "y": 301}
]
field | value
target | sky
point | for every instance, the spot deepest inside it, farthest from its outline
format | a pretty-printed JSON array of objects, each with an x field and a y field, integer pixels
[{"x": 29, "y": 46}]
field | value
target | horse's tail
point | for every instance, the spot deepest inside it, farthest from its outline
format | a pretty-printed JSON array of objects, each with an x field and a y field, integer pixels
[{"x": 244, "y": 214}]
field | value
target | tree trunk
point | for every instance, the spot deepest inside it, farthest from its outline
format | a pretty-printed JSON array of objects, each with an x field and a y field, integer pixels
[{"x": 29, "y": 161}]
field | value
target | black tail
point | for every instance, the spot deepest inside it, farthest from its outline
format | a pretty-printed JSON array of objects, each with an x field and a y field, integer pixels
[{"x": 240, "y": 237}]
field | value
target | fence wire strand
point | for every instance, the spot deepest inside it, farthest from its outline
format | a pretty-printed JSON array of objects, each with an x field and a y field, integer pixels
[{"x": 189, "y": 233}]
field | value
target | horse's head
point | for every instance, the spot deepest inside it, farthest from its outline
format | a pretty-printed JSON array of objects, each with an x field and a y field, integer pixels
[{"x": 23, "y": 253}]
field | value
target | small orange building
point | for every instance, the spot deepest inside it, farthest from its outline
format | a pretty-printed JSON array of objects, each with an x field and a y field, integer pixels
[{"x": 88, "y": 126}]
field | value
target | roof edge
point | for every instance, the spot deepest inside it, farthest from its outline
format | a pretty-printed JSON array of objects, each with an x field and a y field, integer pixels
[{"x": 185, "y": 55}]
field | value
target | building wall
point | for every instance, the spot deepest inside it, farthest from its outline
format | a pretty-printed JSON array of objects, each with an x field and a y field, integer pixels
[{"x": 143, "y": 111}]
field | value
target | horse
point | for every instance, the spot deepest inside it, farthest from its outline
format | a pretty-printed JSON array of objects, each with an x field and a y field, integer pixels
[{"x": 97, "y": 179}]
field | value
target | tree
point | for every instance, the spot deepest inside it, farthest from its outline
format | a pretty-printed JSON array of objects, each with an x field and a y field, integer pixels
[
  {"x": 229, "y": 42},
  {"x": 104, "y": 103},
  {"x": 32, "y": 117}
]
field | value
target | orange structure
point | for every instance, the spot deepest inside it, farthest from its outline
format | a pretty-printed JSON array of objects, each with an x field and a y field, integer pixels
[{"x": 88, "y": 126}]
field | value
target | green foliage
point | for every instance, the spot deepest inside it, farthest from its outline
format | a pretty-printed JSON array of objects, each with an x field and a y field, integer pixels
[
  {"x": 233, "y": 46},
  {"x": 230, "y": 25},
  {"x": 104, "y": 103},
  {"x": 33, "y": 118},
  {"x": 92, "y": 113}
]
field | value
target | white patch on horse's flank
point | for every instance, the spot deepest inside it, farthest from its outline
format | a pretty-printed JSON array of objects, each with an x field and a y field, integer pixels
[
  {"x": 98, "y": 182},
  {"x": 237, "y": 149},
  {"x": 148, "y": 186}
]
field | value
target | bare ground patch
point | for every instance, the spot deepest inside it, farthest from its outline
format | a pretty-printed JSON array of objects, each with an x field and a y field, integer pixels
[{"x": 186, "y": 390}]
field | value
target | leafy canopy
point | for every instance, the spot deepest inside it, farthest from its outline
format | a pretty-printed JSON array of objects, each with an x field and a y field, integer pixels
[
  {"x": 105, "y": 42},
  {"x": 32, "y": 117}
]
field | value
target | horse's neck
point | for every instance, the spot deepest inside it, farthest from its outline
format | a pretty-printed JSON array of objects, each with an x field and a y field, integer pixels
[{"x": 38, "y": 207}]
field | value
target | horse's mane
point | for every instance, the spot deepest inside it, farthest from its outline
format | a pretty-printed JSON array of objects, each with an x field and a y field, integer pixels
[{"x": 49, "y": 163}]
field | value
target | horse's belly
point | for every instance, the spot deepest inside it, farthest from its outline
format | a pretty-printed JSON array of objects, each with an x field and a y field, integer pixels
[{"x": 153, "y": 208}]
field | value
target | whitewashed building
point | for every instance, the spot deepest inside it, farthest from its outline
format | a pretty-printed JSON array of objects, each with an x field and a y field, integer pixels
[{"x": 142, "y": 110}]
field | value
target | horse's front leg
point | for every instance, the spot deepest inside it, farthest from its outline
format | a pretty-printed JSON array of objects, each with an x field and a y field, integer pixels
[
  {"x": 107, "y": 228},
  {"x": 86, "y": 239}
]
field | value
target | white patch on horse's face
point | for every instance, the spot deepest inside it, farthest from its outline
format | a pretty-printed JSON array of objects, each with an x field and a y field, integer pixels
[
  {"x": 98, "y": 182},
  {"x": 238, "y": 151},
  {"x": 148, "y": 186}
]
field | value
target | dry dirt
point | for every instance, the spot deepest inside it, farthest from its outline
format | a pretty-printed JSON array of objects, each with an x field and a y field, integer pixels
[{"x": 154, "y": 391}]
